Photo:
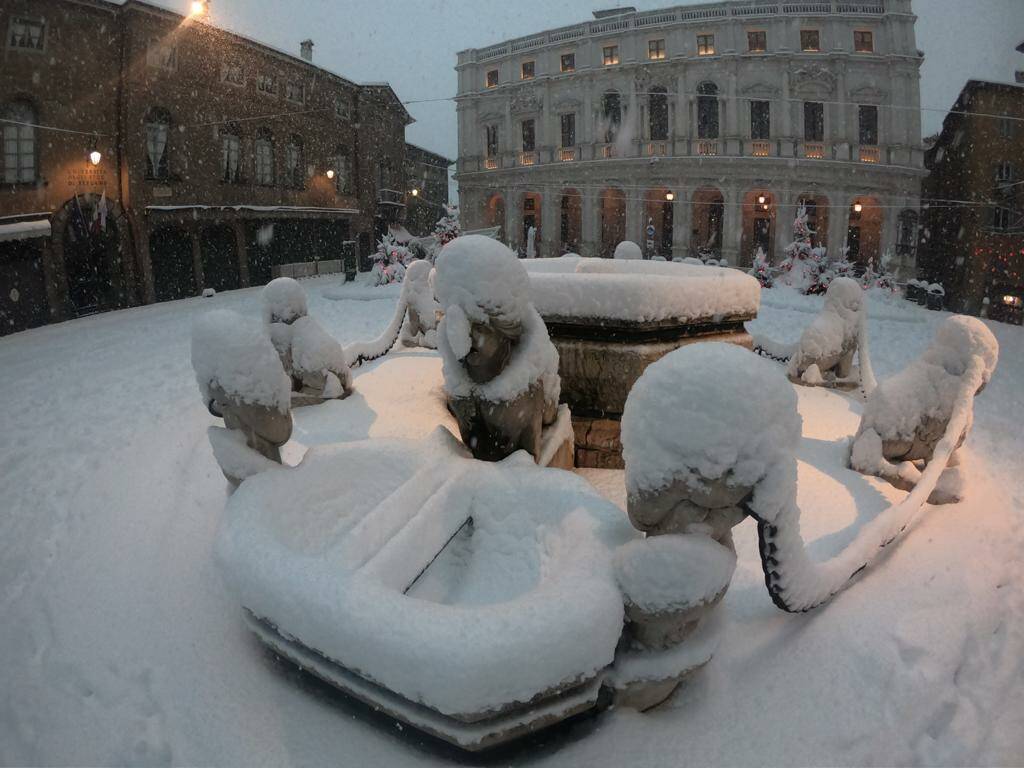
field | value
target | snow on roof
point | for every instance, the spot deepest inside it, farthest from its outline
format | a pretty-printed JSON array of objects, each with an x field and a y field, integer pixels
[
  {"x": 24, "y": 230},
  {"x": 257, "y": 208}
]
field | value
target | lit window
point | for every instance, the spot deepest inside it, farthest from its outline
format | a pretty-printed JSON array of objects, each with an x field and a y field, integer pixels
[
  {"x": 526, "y": 71},
  {"x": 27, "y": 34},
  {"x": 295, "y": 91},
  {"x": 230, "y": 155},
  {"x": 568, "y": 63},
  {"x": 705, "y": 45},
  {"x": 492, "y": 78},
  {"x": 267, "y": 85},
  {"x": 810, "y": 40},
  {"x": 863, "y": 41},
  {"x": 757, "y": 42},
  {"x": 656, "y": 49},
  {"x": 611, "y": 55},
  {"x": 232, "y": 74},
  {"x": 19, "y": 144}
]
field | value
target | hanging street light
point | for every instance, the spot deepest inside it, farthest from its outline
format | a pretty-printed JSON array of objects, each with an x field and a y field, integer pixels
[
  {"x": 95, "y": 157},
  {"x": 670, "y": 196},
  {"x": 857, "y": 207},
  {"x": 330, "y": 173},
  {"x": 761, "y": 199},
  {"x": 415, "y": 192},
  {"x": 199, "y": 8}
]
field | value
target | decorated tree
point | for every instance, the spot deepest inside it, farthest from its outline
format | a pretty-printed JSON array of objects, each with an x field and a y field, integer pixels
[
  {"x": 390, "y": 261},
  {"x": 804, "y": 264},
  {"x": 761, "y": 269},
  {"x": 447, "y": 227}
]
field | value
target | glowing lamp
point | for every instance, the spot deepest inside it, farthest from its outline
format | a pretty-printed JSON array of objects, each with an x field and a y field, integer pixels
[
  {"x": 670, "y": 196},
  {"x": 198, "y": 7},
  {"x": 330, "y": 173},
  {"x": 857, "y": 207},
  {"x": 761, "y": 199},
  {"x": 415, "y": 193},
  {"x": 95, "y": 157}
]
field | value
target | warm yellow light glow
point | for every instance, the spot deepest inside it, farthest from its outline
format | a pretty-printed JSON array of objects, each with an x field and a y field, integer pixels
[
  {"x": 95, "y": 157},
  {"x": 1011, "y": 301},
  {"x": 765, "y": 206},
  {"x": 198, "y": 7},
  {"x": 857, "y": 207},
  {"x": 670, "y": 196},
  {"x": 761, "y": 199},
  {"x": 330, "y": 173},
  {"x": 415, "y": 193}
]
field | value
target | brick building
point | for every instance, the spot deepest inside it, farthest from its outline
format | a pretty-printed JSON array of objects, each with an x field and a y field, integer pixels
[
  {"x": 976, "y": 249},
  {"x": 219, "y": 158},
  {"x": 427, "y": 172}
]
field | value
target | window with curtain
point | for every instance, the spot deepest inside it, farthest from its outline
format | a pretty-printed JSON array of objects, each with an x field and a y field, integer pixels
[
  {"x": 293, "y": 163},
  {"x": 264, "y": 155},
  {"x": 611, "y": 111},
  {"x": 707, "y": 111},
  {"x": 343, "y": 171},
  {"x": 760, "y": 120},
  {"x": 230, "y": 154},
  {"x": 19, "y": 143},
  {"x": 568, "y": 129},
  {"x": 529, "y": 135},
  {"x": 814, "y": 121},
  {"x": 158, "y": 129},
  {"x": 868, "y": 119},
  {"x": 492, "y": 141}
]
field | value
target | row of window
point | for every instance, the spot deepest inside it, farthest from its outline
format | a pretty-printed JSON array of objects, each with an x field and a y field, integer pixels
[
  {"x": 757, "y": 42},
  {"x": 708, "y": 122}
]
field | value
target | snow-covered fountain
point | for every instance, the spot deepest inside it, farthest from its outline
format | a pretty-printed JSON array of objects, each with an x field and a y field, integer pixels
[{"x": 611, "y": 318}]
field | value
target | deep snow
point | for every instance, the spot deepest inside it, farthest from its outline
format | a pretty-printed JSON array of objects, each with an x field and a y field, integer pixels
[{"x": 120, "y": 644}]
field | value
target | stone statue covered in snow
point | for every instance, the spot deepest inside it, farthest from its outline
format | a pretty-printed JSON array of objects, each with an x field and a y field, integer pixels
[
  {"x": 824, "y": 354},
  {"x": 420, "y": 327},
  {"x": 242, "y": 380},
  {"x": 907, "y": 415},
  {"x": 629, "y": 250},
  {"x": 313, "y": 358},
  {"x": 500, "y": 367}
]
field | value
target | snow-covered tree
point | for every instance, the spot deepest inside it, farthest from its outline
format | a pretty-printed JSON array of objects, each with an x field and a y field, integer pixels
[
  {"x": 447, "y": 227},
  {"x": 390, "y": 261},
  {"x": 761, "y": 269},
  {"x": 804, "y": 264}
]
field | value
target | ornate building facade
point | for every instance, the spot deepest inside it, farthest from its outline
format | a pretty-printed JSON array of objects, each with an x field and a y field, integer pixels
[{"x": 699, "y": 128}]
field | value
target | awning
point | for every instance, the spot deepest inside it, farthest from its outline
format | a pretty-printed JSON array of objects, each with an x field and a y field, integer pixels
[{"x": 25, "y": 230}]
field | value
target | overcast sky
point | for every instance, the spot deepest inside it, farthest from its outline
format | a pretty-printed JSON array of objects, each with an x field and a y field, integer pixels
[{"x": 412, "y": 43}]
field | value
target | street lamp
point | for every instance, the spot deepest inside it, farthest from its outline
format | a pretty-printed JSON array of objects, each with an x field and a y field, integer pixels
[
  {"x": 415, "y": 192},
  {"x": 330, "y": 173},
  {"x": 95, "y": 157},
  {"x": 199, "y": 8},
  {"x": 761, "y": 199},
  {"x": 670, "y": 196},
  {"x": 857, "y": 207}
]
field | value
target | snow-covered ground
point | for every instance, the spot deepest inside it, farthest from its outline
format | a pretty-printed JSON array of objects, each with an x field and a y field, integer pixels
[{"x": 120, "y": 644}]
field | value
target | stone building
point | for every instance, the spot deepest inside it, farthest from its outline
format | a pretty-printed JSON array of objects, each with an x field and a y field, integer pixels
[
  {"x": 699, "y": 127},
  {"x": 427, "y": 173},
  {"x": 975, "y": 249},
  {"x": 219, "y": 158}
]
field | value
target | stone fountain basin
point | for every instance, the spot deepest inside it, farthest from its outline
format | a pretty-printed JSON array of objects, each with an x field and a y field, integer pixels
[
  {"x": 610, "y": 319},
  {"x": 474, "y": 601}
]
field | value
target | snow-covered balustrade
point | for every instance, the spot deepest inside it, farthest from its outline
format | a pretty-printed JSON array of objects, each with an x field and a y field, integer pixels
[{"x": 610, "y": 319}]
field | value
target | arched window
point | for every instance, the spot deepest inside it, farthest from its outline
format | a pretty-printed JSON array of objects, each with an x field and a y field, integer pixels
[
  {"x": 611, "y": 114},
  {"x": 19, "y": 137},
  {"x": 294, "y": 169},
  {"x": 707, "y": 111},
  {"x": 158, "y": 130},
  {"x": 657, "y": 108},
  {"x": 264, "y": 156},
  {"x": 230, "y": 153}
]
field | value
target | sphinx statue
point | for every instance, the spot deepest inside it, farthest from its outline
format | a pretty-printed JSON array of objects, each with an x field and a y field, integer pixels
[
  {"x": 500, "y": 367},
  {"x": 824, "y": 354},
  {"x": 314, "y": 360},
  {"x": 907, "y": 415},
  {"x": 242, "y": 381}
]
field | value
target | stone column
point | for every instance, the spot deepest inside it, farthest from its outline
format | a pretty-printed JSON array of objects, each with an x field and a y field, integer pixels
[
  {"x": 197, "y": 259},
  {"x": 682, "y": 223},
  {"x": 634, "y": 120},
  {"x": 838, "y": 222},
  {"x": 242, "y": 252},
  {"x": 786, "y": 124},
  {"x": 634, "y": 211},
  {"x": 550, "y": 229},
  {"x": 783, "y": 224},
  {"x": 732, "y": 224},
  {"x": 514, "y": 218},
  {"x": 590, "y": 223}
]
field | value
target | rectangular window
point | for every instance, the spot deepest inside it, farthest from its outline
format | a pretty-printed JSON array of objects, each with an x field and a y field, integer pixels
[
  {"x": 568, "y": 62},
  {"x": 529, "y": 136},
  {"x": 342, "y": 108},
  {"x": 757, "y": 42},
  {"x": 232, "y": 74},
  {"x": 526, "y": 71},
  {"x": 230, "y": 157},
  {"x": 19, "y": 153},
  {"x": 760, "y": 120},
  {"x": 492, "y": 78},
  {"x": 863, "y": 41},
  {"x": 868, "y": 119},
  {"x": 160, "y": 55},
  {"x": 156, "y": 150},
  {"x": 492, "y": 141},
  {"x": 295, "y": 91},
  {"x": 810, "y": 40},
  {"x": 610, "y": 55},
  {"x": 1004, "y": 171},
  {"x": 27, "y": 34},
  {"x": 343, "y": 177},
  {"x": 264, "y": 162},
  {"x": 1001, "y": 219},
  {"x": 655, "y": 50},
  {"x": 569, "y": 130},
  {"x": 814, "y": 121},
  {"x": 705, "y": 45},
  {"x": 1006, "y": 127},
  {"x": 293, "y": 164},
  {"x": 267, "y": 85}
]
